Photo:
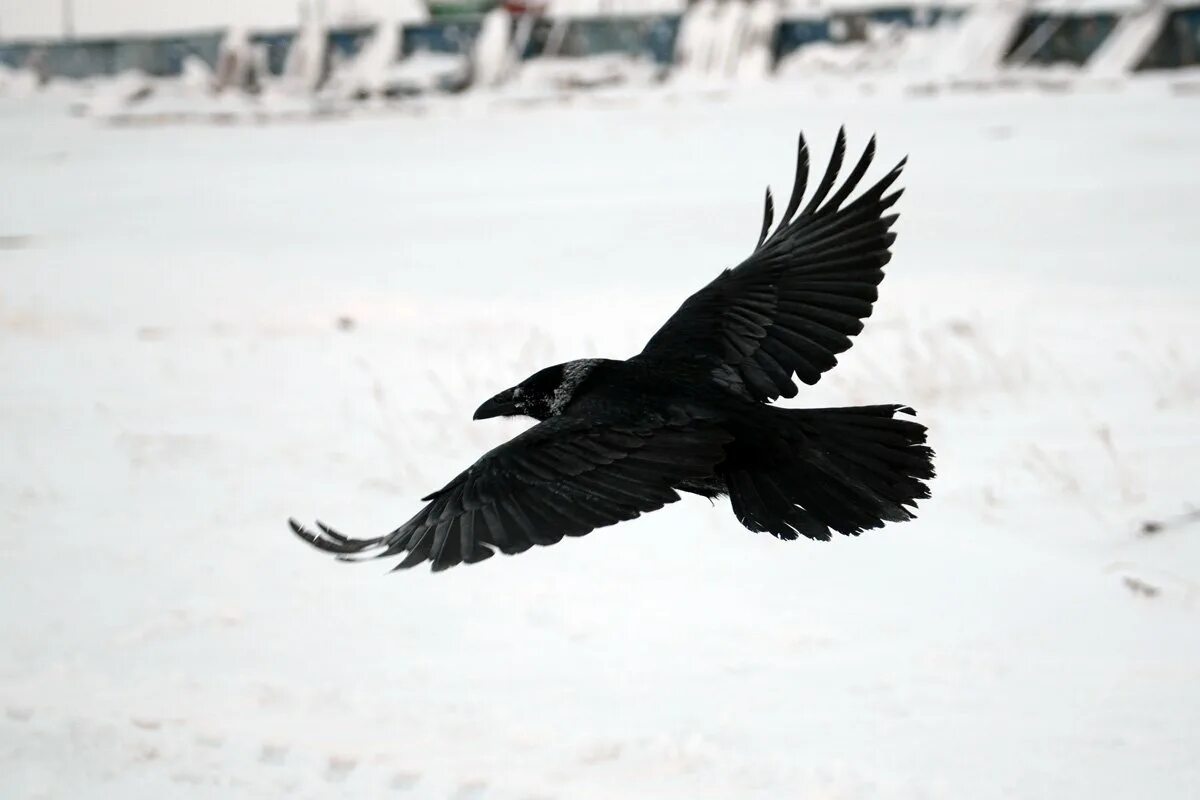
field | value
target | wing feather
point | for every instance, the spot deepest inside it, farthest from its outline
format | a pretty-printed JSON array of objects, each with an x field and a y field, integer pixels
[
  {"x": 564, "y": 477},
  {"x": 791, "y": 308}
]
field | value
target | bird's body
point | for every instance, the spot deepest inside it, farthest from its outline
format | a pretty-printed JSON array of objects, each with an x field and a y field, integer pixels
[{"x": 618, "y": 438}]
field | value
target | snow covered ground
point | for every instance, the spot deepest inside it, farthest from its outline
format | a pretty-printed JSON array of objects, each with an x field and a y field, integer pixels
[{"x": 206, "y": 329}]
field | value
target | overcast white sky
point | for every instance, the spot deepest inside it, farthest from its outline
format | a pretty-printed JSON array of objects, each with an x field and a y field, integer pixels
[{"x": 19, "y": 18}]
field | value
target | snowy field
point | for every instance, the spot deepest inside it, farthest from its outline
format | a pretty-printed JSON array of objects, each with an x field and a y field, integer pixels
[{"x": 207, "y": 329}]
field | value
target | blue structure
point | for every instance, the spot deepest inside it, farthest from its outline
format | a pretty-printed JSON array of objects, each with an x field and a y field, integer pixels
[
  {"x": 1075, "y": 37},
  {"x": 1178, "y": 44},
  {"x": 792, "y": 34},
  {"x": 453, "y": 35},
  {"x": 1043, "y": 38},
  {"x": 651, "y": 37},
  {"x": 158, "y": 56},
  {"x": 795, "y": 33},
  {"x": 348, "y": 41},
  {"x": 163, "y": 56}
]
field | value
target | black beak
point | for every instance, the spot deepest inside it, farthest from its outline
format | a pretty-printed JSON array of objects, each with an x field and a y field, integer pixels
[{"x": 501, "y": 405}]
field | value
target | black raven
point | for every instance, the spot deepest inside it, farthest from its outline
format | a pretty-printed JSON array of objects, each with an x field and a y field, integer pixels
[{"x": 616, "y": 439}]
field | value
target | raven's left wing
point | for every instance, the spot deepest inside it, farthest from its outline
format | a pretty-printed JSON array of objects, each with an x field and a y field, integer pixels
[
  {"x": 563, "y": 477},
  {"x": 793, "y": 305}
]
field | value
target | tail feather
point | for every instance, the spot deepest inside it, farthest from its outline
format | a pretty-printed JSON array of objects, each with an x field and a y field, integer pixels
[
  {"x": 853, "y": 469},
  {"x": 762, "y": 505}
]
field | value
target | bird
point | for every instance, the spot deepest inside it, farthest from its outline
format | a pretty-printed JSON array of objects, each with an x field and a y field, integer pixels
[{"x": 693, "y": 411}]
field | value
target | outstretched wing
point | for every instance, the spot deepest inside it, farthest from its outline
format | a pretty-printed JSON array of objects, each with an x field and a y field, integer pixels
[
  {"x": 563, "y": 477},
  {"x": 793, "y": 305}
]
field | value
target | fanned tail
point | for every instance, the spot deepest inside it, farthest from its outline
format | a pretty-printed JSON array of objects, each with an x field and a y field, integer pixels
[{"x": 854, "y": 469}]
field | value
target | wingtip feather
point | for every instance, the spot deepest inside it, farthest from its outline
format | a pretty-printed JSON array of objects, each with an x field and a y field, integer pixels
[{"x": 768, "y": 217}]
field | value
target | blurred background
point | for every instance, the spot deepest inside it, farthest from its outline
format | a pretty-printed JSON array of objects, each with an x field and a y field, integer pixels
[{"x": 262, "y": 259}]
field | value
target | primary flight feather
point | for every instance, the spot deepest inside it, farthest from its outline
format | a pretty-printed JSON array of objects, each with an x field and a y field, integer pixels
[{"x": 617, "y": 439}]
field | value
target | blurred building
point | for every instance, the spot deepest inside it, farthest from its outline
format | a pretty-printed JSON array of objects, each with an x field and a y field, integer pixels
[{"x": 707, "y": 39}]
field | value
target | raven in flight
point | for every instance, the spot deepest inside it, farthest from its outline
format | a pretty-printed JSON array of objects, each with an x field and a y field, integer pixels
[{"x": 616, "y": 439}]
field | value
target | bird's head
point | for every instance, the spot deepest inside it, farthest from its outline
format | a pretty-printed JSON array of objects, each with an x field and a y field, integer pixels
[{"x": 542, "y": 395}]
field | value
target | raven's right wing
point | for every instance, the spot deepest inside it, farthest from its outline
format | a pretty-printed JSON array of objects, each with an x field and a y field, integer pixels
[
  {"x": 563, "y": 477},
  {"x": 793, "y": 305}
]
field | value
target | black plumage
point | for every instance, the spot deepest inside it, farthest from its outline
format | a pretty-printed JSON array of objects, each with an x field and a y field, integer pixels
[{"x": 617, "y": 439}]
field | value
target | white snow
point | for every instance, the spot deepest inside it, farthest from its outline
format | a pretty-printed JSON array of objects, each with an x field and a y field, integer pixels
[
  {"x": 206, "y": 329},
  {"x": 564, "y": 73},
  {"x": 17, "y": 82}
]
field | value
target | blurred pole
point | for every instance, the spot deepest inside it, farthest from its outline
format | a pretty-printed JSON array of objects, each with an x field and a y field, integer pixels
[{"x": 68, "y": 19}]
